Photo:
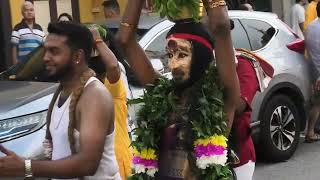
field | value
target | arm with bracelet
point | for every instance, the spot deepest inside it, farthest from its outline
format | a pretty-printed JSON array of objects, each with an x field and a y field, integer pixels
[
  {"x": 219, "y": 26},
  {"x": 134, "y": 54},
  {"x": 107, "y": 57}
]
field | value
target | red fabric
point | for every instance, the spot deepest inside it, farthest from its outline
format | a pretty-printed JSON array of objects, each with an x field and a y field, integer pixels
[
  {"x": 199, "y": 39},
  {"x": 248, "y": 87}
]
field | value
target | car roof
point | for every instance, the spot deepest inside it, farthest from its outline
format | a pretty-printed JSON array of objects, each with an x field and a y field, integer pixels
[
  {"x": 252, "y": 14},
  {"x": 146, "y": 22}
]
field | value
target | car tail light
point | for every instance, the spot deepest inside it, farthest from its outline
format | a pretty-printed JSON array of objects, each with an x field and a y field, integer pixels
[{"x": 297, "y": 46}]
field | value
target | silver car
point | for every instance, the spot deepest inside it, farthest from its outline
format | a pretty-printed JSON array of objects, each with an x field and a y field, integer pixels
[{"x": 279, "y": 112}]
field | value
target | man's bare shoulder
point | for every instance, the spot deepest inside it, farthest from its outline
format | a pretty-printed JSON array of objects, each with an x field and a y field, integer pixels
[{"x": 96, "y": 93}]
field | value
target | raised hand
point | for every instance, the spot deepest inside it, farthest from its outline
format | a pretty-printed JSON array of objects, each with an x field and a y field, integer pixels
[
  {"x": 135, "y": 55},
  {"x": 219, "y": 25}
]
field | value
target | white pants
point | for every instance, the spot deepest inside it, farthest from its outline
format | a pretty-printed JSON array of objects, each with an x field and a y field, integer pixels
[{"x": 245, "y": 172}]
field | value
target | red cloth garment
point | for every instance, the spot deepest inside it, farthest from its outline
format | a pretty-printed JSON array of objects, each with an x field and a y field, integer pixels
[{"x": 249, "y": 85}]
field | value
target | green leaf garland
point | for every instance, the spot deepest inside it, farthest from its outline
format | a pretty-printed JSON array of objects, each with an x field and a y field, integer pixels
[{"x": 173, "y": 8}]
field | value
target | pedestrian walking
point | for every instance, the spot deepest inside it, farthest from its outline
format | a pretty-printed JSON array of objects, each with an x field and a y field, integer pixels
[
  {"x": 297, "y": 17},
  {"x": 26, "y": 35},
  {"x": 313, "y": 47},
  {"x": 311, "y": 13}
]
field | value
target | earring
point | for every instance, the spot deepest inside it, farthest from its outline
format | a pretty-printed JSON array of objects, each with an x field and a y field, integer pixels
[{"x": 77, "y": 62}]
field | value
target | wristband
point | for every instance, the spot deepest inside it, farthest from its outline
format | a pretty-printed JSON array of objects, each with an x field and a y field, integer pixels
[
  {"x": 28, "y": 169},
  {"x": 216, "y": 3},
  {"x": 127, "y": 25},
  {"x": 97, "y": 41}
]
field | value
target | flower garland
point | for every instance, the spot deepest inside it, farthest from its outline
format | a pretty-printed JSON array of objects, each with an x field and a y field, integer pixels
[{"x": 208, "y": 126}]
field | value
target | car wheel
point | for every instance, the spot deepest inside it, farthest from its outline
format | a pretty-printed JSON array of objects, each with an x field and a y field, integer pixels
[{"x": 280, "y": 129}]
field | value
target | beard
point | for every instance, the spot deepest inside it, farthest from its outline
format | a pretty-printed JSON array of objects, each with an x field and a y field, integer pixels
[
  {"x": 58, "y": 73},
  {"x": 181, "y": 85}
]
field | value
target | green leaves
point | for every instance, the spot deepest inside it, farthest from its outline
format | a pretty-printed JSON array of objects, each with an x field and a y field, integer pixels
[
  {"x": 157, "y": 102},
  {"x": 173, "y": 9},
  {"x": 216, "y": 172},
  {"x": 102, "y": 31}
]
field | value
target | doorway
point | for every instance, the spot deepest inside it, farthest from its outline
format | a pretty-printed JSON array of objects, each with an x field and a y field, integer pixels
[{"x": 5, "y": 34}]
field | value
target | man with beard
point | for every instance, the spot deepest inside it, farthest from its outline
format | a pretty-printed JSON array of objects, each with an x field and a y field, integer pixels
[
  {"x": 190, "y": 54},
  {"x": 80, "y": 116}
]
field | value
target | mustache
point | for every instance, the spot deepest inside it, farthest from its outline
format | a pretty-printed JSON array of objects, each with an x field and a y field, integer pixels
[{"x": 177, "y": 72}]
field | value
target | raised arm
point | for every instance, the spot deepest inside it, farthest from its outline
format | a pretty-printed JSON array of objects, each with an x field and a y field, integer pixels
[
  {"x": 108, "y": 58},
  {"x": 134, "y": 54},
  {"x": 219, "y": 26}
]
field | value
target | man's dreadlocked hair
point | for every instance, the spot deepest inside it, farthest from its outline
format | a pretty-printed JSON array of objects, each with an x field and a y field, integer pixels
[
  {"x": 202, "y": 56},
  {"x": 78, "y": 37}
]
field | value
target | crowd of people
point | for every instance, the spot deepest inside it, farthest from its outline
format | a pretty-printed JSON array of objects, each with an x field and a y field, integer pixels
[{"x": 87, "y": 130}]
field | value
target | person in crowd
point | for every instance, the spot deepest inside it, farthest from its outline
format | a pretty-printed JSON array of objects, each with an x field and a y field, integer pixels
[
  {"x": 241, "y": 133},
  {"x": 312, "y": 45},
  {"x": 80, "y": 121},
  {"x": 111, "y": 9},
  {"x": 297, "y": 17},
  {"x": 109, "y": 71},
  {"x": 311, "y": 13},
  {"x": 26, "y": 35},
  {"x": 245, "y": 7},
  {"x": 65, "y": 17},
  {"x": 189, "y": 48}
]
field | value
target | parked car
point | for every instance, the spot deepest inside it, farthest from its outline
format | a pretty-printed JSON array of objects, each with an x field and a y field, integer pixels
[{"x": 279, "y": 112}]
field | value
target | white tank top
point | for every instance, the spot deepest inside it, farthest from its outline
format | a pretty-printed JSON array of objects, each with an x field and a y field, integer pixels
[{"x": 108, "y": 167}]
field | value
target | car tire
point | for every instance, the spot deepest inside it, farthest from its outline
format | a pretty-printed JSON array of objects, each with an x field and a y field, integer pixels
[{"x": 280, "y": 129}]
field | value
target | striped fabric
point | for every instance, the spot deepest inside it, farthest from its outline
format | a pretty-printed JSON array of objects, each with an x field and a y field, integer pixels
[{"x": 26, "y": 39}]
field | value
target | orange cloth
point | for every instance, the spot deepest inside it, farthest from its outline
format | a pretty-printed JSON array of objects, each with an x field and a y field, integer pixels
[
  {"x": 122, "y": 140},
  {"x": 311, "y": 14}
]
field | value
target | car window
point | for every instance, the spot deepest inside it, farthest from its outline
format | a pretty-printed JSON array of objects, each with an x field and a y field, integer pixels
[
  {"x": 32, "y": 70},
  {"x": 259, "y": 32},
  {"x": 157, "y": 49},
  {"x": 159, "y": 43},
  {"x": 239, "y": 36}
]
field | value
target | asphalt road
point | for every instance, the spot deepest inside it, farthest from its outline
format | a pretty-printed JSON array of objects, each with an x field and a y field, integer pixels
[{"x": 303, "y": 165}]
